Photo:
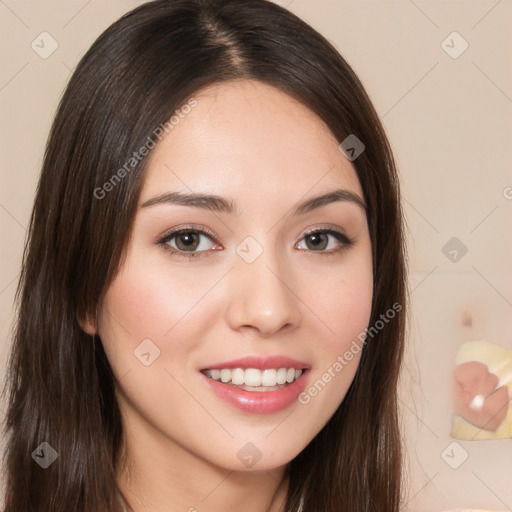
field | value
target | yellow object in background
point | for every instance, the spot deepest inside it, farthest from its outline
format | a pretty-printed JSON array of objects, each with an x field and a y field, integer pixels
[{"x": 499, "y": 361}]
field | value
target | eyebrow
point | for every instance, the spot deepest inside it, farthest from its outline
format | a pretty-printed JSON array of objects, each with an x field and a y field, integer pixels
[{"x": 220, "y": 204}]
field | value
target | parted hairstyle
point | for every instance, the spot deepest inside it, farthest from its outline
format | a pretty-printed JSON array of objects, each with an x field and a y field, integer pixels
[{"x": 59, "y": 386}]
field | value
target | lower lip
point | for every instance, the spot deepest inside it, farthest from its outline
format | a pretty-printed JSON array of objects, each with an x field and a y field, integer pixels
[{"x": 258, "y": 402}]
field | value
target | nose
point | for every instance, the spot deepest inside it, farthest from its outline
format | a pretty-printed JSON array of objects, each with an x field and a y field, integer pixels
[{"x": 262, "y": 296}]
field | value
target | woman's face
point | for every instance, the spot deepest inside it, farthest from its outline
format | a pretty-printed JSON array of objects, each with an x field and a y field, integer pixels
[{"x": 251, "y": 284}]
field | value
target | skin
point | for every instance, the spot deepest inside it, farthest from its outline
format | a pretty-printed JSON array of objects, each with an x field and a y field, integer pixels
[{"x": 252, "y": 143}]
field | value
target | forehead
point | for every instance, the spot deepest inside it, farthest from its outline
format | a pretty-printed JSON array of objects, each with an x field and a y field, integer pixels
[{"x": 248, "y": 139}]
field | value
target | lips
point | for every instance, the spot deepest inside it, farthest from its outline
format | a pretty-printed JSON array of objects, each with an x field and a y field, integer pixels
[
  {"x": 261, "y": 363},
  {"x": 257, "y": 384}
]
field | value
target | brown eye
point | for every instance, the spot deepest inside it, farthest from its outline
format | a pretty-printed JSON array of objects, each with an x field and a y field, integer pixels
[
  {"x": 326, "y": 241},
  {"x": 317, "y": 241},
  {"x": 189, "y": 243}
]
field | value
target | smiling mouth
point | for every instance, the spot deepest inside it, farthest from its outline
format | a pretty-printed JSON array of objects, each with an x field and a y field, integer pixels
[{"x": 254, "y": 379}]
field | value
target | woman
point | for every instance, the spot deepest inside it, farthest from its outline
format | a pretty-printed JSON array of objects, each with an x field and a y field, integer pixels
[{"x": 212, "y": 300}]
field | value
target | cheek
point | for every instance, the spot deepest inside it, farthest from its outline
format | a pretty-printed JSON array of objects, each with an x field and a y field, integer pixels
[
  {"x": 347, "y": 311},
  {"x": 342, "y": 300},
  {"x": 137, "y": 307},
  {"x": 149, "y": 303}
]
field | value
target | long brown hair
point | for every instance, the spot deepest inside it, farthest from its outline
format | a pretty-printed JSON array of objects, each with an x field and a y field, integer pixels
[{"x": 60, "y": 387}]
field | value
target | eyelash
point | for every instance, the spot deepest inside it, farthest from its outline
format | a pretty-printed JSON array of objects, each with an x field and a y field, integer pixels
[{"x": 345, "y": 241}]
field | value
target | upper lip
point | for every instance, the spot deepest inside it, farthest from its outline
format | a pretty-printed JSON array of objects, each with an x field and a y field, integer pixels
[{"x": 261, "y": 363}]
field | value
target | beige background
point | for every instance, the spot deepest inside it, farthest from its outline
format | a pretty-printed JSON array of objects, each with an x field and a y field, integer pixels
[{"x": 449, "y": 121}]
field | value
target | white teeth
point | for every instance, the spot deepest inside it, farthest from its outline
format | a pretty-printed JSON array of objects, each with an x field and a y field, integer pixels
[
  {"x": 237, "y": 376},
  {"x": 269, "y": 378},
  {"x": 281, "y": 375},
  {"x": 255, "y": 378},
  {"x": 252, "y": 377}
]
